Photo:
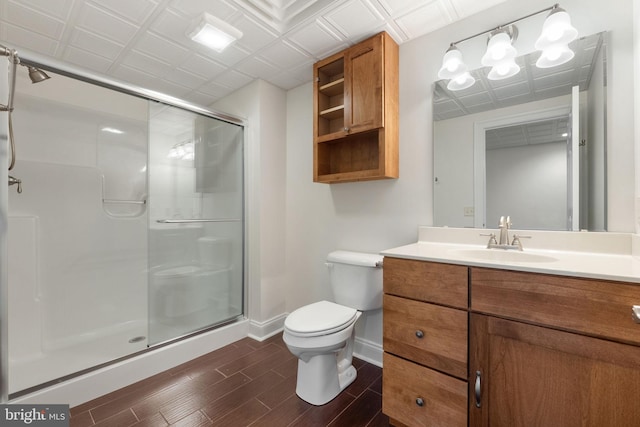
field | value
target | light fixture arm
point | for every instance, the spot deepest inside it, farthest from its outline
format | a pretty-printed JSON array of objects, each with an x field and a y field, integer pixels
[{"x": 555, "y": 6}]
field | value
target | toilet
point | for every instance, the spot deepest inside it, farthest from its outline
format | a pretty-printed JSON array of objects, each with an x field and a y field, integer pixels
[{"x": 321, "y": 334}]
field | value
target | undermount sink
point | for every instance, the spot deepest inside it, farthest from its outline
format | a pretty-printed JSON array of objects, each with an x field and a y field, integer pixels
[{"x": 501, "y": 255}]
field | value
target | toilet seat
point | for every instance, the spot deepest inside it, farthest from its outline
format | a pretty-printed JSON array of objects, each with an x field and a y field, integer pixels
[{"x": 320, "y": 318}]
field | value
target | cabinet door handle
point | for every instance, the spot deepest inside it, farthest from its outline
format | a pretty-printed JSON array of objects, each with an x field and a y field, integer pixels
[
  {"x": 635, "y": 313},
  {"x": 346, "y": 129},
  {"x": 420, "y": 401},
  {"x": 419, "y": 334},
  {"x": 478, "y": 390}
]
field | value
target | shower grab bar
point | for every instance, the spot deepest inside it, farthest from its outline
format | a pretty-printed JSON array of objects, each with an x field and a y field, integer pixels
[
  {"x": 188, "y": 221},
  {"x": 132, "y": 202}
]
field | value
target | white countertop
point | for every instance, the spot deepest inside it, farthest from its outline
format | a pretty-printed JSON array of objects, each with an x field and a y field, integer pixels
[{"x": 593, "y": 255}]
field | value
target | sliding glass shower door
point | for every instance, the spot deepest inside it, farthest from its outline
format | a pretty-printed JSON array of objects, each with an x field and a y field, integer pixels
[{"x": 195, "y": 222}]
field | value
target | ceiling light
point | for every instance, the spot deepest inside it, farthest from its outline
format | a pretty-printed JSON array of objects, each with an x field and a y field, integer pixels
[
  {"x": 557, "y": 29},
  {"x": 452, "y": 64},
  {"x": 214, "y": 33},
  {"x": 500, "y": 55},
  {"x": 499, "y": 48},
  {"x": 557, "y": 33}
]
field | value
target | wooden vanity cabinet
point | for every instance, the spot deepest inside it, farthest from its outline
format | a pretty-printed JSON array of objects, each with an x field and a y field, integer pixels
[
  {"x": 543, "y": 350},
  {"x": 425, "y": 336},
  {"x": 552, "y": 351},
  {"x": 355, "y": 110}
]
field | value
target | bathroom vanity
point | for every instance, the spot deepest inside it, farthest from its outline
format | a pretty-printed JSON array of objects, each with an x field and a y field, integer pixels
[{"x": 528, "y": 339}]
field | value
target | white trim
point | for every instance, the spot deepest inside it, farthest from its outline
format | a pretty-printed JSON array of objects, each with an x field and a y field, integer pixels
[
  {"x": 368, "y": 351},
  {"x": 110, "y": 378},
  {"x": 260, "y": 331}
]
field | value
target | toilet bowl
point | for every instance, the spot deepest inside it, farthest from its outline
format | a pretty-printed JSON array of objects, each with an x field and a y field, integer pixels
[{"x": 321, "y": 335}]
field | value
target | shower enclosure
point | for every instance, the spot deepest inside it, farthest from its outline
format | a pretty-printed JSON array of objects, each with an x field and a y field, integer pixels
[{"x": 129, "y": 230}]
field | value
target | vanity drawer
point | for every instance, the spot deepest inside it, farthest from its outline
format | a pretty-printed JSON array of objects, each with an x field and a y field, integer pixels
[
  {"x": 595, "y": 307},
  {"x": 418, "y": 396},
  {"x": 427, "y": 281},
  {"x": 428, "y": 334}
]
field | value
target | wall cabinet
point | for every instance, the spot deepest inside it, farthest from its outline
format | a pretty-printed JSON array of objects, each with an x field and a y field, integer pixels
[
  {"x": 543, "y": 350},
  {"x": 355, "y": 128}
]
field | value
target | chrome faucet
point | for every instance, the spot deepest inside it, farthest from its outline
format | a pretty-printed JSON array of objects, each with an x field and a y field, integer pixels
[
  {"x": 502, "y": 242},
  {"x": 504, "y": 225}
]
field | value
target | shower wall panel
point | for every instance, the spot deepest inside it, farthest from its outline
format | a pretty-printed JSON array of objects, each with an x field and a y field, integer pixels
[{"x": 83, "y": 270}]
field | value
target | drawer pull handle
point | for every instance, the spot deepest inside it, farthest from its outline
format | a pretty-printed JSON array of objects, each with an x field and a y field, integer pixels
[
  {"x": 635, "y": 313},
  {"x": 478, "y": 390},
  {"x": 419, "y": 334},
  {"x": 419, "y": 401}
]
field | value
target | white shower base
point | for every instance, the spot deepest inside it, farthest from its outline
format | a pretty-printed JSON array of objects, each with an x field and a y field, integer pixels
[
  {"x": 96, "y": 383},
  {"x": 74, "y": 356}
]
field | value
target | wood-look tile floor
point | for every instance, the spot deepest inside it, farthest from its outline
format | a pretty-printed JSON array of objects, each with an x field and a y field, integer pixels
[{"x": 247, "y": 383}]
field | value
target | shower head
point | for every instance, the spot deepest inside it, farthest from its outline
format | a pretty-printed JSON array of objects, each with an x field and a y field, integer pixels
[{"x": 37, "y": 75}]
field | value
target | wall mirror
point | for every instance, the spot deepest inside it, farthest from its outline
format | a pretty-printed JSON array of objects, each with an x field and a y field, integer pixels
[{"x": 532, "y": 146}]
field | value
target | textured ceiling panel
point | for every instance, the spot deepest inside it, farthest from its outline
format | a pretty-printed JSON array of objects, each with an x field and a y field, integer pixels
[{"x": 145, "y": 42}]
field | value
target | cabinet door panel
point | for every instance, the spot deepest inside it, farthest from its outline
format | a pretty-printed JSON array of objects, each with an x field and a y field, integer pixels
[
  {"x": 444, "y": 399},
  {"x": 441, "y": 342},
  {"x": 363, "y": 86},
  {"x": 534, "y": 376}
]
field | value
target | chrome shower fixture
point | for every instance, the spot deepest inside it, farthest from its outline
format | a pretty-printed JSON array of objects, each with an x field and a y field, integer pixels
[{"x": 36, "y": 75}]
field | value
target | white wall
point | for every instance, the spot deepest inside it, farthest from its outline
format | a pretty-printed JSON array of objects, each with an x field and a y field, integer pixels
[
  {"x": 376, "y": 215},
  {"x": 263, "y": 106}
]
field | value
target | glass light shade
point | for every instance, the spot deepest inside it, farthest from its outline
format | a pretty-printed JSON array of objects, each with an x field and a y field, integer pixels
[
  {"x": 557, "y": 29},
  {"x": 214, "y": 33},
  {"x": 555, "y": 55},
  {"x": 463, "y": 81},
  {"x": 498, "y": 50},
  {"x": 504, "y": 70},
  {"x": 452, "y": 64}
]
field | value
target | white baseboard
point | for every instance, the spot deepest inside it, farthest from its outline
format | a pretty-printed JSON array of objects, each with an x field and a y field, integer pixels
[
  {"x": 368, "y": 351},
  {"x": 110, "y": 378},
  {"x": 260, "y": 331}
]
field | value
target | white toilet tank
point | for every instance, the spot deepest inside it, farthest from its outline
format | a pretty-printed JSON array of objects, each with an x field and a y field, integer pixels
[{"x": 356, "y": 279}]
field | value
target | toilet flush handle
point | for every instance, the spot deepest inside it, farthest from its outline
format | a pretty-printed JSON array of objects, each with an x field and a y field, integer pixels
[{"x": 328, "y": 264}]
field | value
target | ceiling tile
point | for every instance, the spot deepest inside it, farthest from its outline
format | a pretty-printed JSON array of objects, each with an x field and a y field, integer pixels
[
  {"x": 56, "y": 8},
  {"x": 317, "y": 39},
  {"x": 194, "y": 8},
  {"x": 254, "y": 34},
  {"x": 133, "y": 10},
  {"x": 185, "y": 78},
  {"x": 202, "y": 66},
  {"x": 22, "y": 38},
  {"x": 283, "y": 54},
  {"x": 40, "y": 23},
  {"x": 88, "y": 41},
  {"x": 87, "y": 59},
  {"x": 105, "y": 24},
  {"x": 145, "y": 42},
  {"x": 147, "y": 64},
  {"x": 355, "y": 18},
  {"x": 159, "y": 47},
  {"x": 423, "y": 20},
  {"x": 233, "y": 79}
]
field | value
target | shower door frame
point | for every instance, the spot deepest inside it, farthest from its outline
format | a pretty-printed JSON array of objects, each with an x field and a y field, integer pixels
[{"x": 149, "y": 95}]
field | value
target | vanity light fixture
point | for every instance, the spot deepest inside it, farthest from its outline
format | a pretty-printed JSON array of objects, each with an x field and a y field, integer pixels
[
  {"x": 454, "y": 68},
  {"x": 500, "y": 54},
  {"x": 213, "y": 32},
  {"x": 557, "y": 33}
]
